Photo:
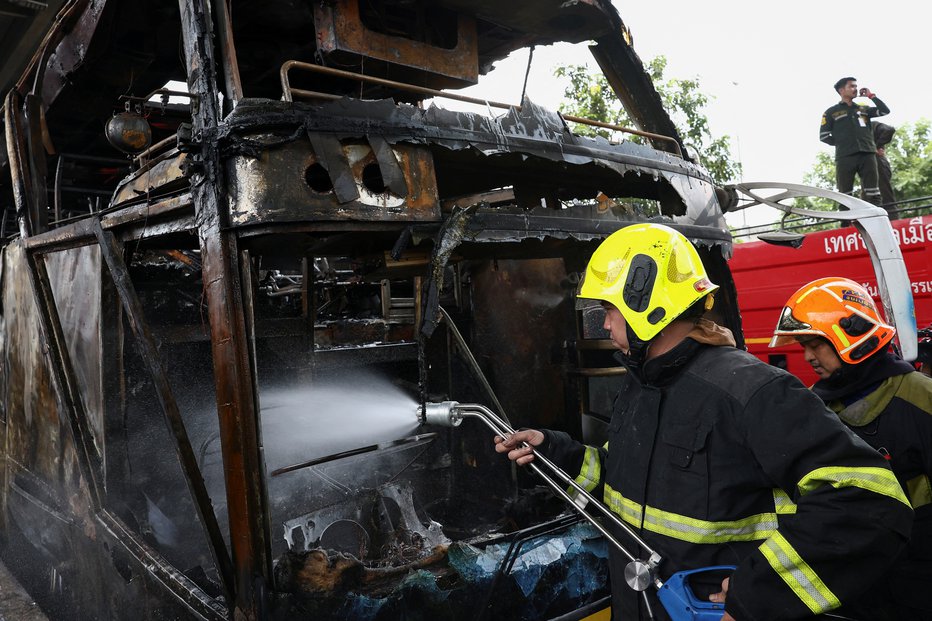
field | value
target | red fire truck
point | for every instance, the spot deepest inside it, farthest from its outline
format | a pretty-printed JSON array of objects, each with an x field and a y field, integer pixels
[{"x": 766, "y": 275}]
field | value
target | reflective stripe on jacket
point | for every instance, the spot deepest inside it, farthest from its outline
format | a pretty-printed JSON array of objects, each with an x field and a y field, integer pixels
[{"x": 895, "y": 418}]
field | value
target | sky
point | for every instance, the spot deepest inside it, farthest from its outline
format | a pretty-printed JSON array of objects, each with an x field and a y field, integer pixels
[{"x": 768, "y": 67}]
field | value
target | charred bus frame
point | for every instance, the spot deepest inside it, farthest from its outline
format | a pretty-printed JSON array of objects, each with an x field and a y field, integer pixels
[{"x": 447, "y": 204}]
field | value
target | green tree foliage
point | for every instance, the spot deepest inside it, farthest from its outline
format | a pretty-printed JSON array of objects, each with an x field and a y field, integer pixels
[
  {"x": 910, "y": 155},
  {"x": 589, "y": 95}
]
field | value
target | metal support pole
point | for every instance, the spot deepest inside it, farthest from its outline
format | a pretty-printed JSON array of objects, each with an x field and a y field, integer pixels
[{"x": 237, "y": 402}]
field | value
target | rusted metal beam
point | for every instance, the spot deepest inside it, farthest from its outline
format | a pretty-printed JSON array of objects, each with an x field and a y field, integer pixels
[
  {"x": 237, "y": 403},
  {"x": 149, "y": 230},
  {"x": 175, "y": 206},
  {"x": 75, "y": 235},
  {"x": 17, "y": 157},
  {"x": 233, "y": 84},
  {"x": 38, "y": 205},
  {"x": 81, "y": 232},
  {"x": 112, "y": 254},
  {"x": 68, "y": 43},
  {"x": 626, "y": 75}
]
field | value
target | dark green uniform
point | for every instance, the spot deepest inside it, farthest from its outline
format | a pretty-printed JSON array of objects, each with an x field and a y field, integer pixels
[{"x": 848, "y": 128}]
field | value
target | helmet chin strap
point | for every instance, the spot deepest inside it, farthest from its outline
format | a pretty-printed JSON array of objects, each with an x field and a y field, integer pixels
[{"x": 637, "y": 348}]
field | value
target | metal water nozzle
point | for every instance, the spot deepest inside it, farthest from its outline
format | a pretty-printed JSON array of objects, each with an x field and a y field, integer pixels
[{"x": 443, "y": 414}]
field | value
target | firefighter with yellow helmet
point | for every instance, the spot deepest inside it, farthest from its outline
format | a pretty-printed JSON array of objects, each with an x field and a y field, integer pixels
[
  {"x": 717, "y": 458},
  {"x": 884, "y": 400}
]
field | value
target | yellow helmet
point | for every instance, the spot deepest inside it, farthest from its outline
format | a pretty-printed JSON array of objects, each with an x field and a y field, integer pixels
[
  {"x": 839, "y": 310},
  {"x": 650, "y": 272}
]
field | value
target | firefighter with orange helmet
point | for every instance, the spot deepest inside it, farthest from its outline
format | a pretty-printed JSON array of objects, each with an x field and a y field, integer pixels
[
  {"x": 716, "y": 458},
  {"x": 839, "y": 311},
  {"x": 883, "y": 399}
]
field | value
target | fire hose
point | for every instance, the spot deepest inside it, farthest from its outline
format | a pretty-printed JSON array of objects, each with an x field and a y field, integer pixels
[{"x": 675, "y": 594}]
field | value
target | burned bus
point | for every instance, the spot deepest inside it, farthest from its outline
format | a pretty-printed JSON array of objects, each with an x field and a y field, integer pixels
[{"x": 242, "y": 242}]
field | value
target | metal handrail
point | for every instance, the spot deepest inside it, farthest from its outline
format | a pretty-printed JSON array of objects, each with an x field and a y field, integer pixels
[
  {"x": 288, "y": 95},
  {"x": 794, "y": 224}
]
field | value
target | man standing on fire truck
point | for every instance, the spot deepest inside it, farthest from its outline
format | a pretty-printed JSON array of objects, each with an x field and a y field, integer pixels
[
  {"x": 847, "y": 126},
  {"x": 717, "y": 458},
  {"x": 882, "y": 399}
]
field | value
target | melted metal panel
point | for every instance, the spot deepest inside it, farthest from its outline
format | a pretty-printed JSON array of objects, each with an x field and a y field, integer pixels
[
  {"x": 75, "y": 278},
  {"x": 341, "y": 29},
  {"x": 36, "y": 438},
  {"x": 275, "y": 186},
  {"x": 164, "y": 171},
  {"x": 526, "y": 304},
  {"x": 554, "y": 20},
  {"x": 533, "y": 131}
]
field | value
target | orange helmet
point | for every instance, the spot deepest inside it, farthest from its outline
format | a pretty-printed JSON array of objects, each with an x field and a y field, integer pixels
[{"x": 839, "y": 310}]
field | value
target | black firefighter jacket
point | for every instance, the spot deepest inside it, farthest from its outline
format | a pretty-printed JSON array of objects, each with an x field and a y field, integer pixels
[
  {"x": 888, "y": 404},
  {"x": 719, "y": 459}
]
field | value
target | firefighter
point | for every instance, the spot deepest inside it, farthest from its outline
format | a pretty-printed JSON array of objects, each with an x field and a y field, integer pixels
[
  {"x": 884, "y": 400},
  {"x": 847, "y": 126},
  {"x": 717, "y": 458}
]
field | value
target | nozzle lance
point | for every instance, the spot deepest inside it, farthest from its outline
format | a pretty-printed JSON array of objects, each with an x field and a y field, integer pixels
[
  {"x": 452, "y": 413},
  {"x": 443, "y": 414}
]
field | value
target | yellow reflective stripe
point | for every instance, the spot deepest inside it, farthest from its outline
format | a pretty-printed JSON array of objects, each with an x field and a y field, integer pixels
[
  {"x": 630, "y": 511},
  {"x": 591, "y": 472},
  {"x": 803, "y": 296},
  {"x": 877, "y": 480},
  {"x": 920, "y": 491},
  {"x": 782, "y": 503},
  {"x": 684, "y": 528},
  {"x": 841, "y": 335},
  {"x": 798, "y": 575}
]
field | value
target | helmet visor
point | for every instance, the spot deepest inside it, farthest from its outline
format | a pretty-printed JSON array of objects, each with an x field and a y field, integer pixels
[
  {"x": 591, "y": 315},
  {"x": 788, "y": 328},
  {"x": 583, "y": 303}
]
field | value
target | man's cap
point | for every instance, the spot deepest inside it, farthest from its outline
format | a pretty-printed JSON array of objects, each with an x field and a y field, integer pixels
[{"x": 883, "y": 134}]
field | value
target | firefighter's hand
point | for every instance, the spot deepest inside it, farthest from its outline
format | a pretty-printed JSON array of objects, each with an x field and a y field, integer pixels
[
  {"x": 515, "y": 445},
  {"x": 719, "y": 598}
]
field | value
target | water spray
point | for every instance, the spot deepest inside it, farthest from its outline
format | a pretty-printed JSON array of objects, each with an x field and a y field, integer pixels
[{"x": 640, "y": 574}]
